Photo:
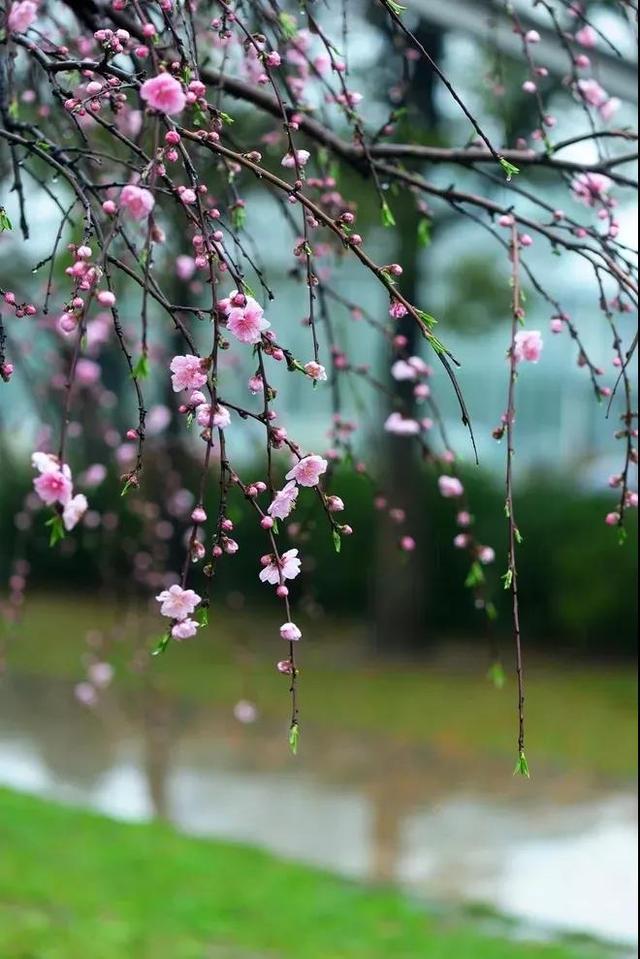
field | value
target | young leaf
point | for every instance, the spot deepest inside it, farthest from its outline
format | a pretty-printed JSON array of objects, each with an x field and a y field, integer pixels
[
  {"x": 203, "y": 616},
  {"x": 141, "y": 368},
  {"x": 522, "y": 767},
  {"x": 475, "y": 576},
  {"x": 497, "y": 675},
  {"x": 5, "y": 222},
  {"x": 424, "y": 232},
  {"x": 509, "y": 168},
  {"x": 337, "y": 540},
  {"x": 294, "y": 736},
  {"x": 57, "y": 529},
  {"x": 388, "y": 218},
  {"x": 162, "y": 645},
  {"x": 507, "y": 578}
]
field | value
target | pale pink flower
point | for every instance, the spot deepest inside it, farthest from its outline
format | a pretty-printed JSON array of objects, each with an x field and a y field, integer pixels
[
  {"x": 185, "y": 267},
  {"x": 284, "y": 501},
  {"x": 185, "y": 629},
  {"x": 609, "y": 109},
  {"x": 221, "y": 416},
  {"x": 586, "y": 36},
  {"x": 290, "y": 632},
  {"x": 164, "y": 93},
  {"x": 245, "y": 711},
  {"x": 54, "y": 486},
  {"x": 74, "y": 510},
  {"x": 401, "y": 426},
  {"x": 100, "y": 674},
  {"x": 87, "y": 372},
  {"x": 136, "y": 201},
  {"x": 45, "y": 462},
  {"x": 308, "y": 471},
  {"x": 592, "y": 93},
  {"x": 590, "y": 187},
  {"x": 301, "y": 156},
  {"x": 527, "y": 346},
  {"x": 86, "y": 694},
  {"x": 450, "y": 486},
  {"x": 287, "y": 568},
  {"x": 397, "y": 310},
  {"x": 247, "y": 323},
  {"x": 187, "y": 373},
  {"x": 22, "y": 16},
  {"x": 316, "y": 371},
  {"x": 402, "y": 370},
  {"x": 612, "y": 519},
  {"x": 486, "y": 555},
  {"x": 177, "y": 603}
]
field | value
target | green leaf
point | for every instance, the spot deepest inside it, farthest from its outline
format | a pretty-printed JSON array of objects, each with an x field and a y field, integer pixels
[
  {"x": 57, "y": 529},
  {"x": 424, "y": 232},
  {"x": 5, "y": 222},
  {"x": 395, "y": 7},
  {"x": 388, "y": 218},
  {"x": 294, "y": 736},
  {"x": 475, "y": 576},
  {"x": 428, "y": 320},
  {"x": 337, "y": 540},
  {"x": 497, "y": 675},
  {"x": 238, "y": 217},
  {"x": 288, "y": 25},
  {"x": 507, "y": 578},
  {"x": 125, "y": 489},
  {"x": 162, "y": 645},
  {"x": 203, "y": 616},
  {"x": 518, "y": 535},
  {"x": 622, "y": 536},
  {"x": 141, "y": 368},
  {"x": 509, "y": 168},
  {"x": 522, "y": 767},
  {"x": 491, "y": 611},
  {"x": 226, "y": 118}
]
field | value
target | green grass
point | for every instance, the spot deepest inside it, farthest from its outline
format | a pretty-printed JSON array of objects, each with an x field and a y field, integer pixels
[
  {"x": 74, "y": 885},
  {"x": 579, "y": 719}
]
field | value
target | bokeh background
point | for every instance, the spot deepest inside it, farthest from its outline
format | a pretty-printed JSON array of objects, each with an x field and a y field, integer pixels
[{"x": 403, "y": 780}]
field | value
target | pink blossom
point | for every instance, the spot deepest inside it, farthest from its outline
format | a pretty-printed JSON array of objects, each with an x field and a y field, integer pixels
[
  {"x": 136, "y": 201},
  {"x": 609, "y": 108},
  {"x": 612, "y": 519},
  {"x": 461, "y": 541},
  {"x": 284, "y": 501},
  {"x": 177, "y": 603},
  {"x": 450, "y": 486},
  {"x": 245, "y": 711},
  {"x": 315, "y": 371},
  {"x": 187, "y": 373},
  {"x": 74, "y": 510},
  {"x": 54, "y": 483},
  {"x": 486, "y": 555},
  {"x": 308, "y": 471},
  {"x": 290, "y": 632},
  {"x": 164, "y": 93},
  {"x": 87, "y": 372},
  {"x": 185, "y": 267},
  {"x": 247, "y": 323},
  {"x": 528, "y": 346},
  {"x": 401, "y": 426},
  {"x": 300, "y": 159},
  {"x": 100, "y": 674},
  {"x": 285, "y": 666},
  {"x": 185, "y": 629},
  {"x": 335, "y": 504},
  {"x": 407, "y": 544},
  {"x": 592, "y": 93},
  {"x": 86, "y": 694},
  {"x": 402, "y": 370},
  {"x": 22, "y": 16},
  {"x": 590, "y": 187},
  {"x": 221, "y": 417},
  {"x": 397, "y": 310},
  {"x": 288, "y": 567},
  {"x": 586, "y": 36}
]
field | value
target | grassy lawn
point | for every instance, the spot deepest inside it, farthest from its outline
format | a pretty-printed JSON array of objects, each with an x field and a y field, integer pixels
[
  {"x": 74, "y": 885},
  {"x": 580, "y": 718}
]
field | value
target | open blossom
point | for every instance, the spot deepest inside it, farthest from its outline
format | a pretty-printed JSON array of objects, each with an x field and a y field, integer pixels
[
  {"x": 185, "y": 629},
  {"x": 247, "y": 323},
  {"x": 74, "y": 510},
  {"x": 586, "y": 36},
  {"x": 486, "y": 555},
  {"x": 284, "y": 501},
  {"x": 590, "y": 187},
  {"x": 450, "y": 486},
  {"x": 164, "y": 93},
  {"x": 177, "y": 603},
  {"x": 221, "y": 417},
  {"x": 528, "y": 346},
  {"x": 609, "y": 109},
  {"x": 290, "y": 632},
  {"x": 288, "y": 567},
  {"x": 592, "y": 93},
  {"x": 308, "y": 471},
  {"x": 187, "y": 373},
  {"x": 53, "y": 485},
  {"x": 401, "y": 426},
  {"x": 22, "y": 16},
  {"x": 300, "y": 159},
  {"x": 316, "y": 371},
  {"x": 136, "y": 201}
]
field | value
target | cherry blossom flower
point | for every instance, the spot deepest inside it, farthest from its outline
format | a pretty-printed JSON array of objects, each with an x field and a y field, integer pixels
[
  {"x": 316, "y": 371},
  {"x": 177, "y": 603},
  {"x": 290, "y": 632},
  {"x": 187, "y": 373},
  {"x": 586, "y": 36},
  {"x": 591, "y": 187},
  {"x": 54, "y": 484},
  {"x": 528, "y": 346},
  {"x": 288, "y": 567},
  {"x": 136, "y": 201},
  {"x": 592, "y": 93},
  {"x": 221, "y": 416},
  {"x": 486, "y": 555},
  {"x": 284, "y": 501},
  {"x": 22, "y": 16},
  {"x": 402, "y": 370},
  {"x": 100, "y": 674},
  {"x": 74, "y": 510},
  {"x": 301, "y": 157},
  {"x": 186, "y": 628},
  {"x": 245, "y": 711},
  {"x": 247, "y": 323},
  {"x": 450, "y": 486},
  {"x": 308, "y": 470},
  {"x": 609, "y": 109},
  {"x": 164, "y": 93},
  {"x": 401, "y": 426}
]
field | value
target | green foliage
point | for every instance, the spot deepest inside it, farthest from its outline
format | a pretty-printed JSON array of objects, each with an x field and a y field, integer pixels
[{"x": 74, "y": 884}]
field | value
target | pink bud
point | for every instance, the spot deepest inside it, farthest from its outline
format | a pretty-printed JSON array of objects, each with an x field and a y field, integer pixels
[{"x": 106, "y": 298}]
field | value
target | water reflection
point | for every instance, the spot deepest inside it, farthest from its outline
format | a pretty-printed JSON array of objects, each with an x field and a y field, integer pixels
[{"x": 561, "y": 853}]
